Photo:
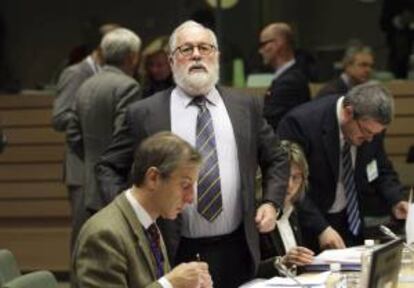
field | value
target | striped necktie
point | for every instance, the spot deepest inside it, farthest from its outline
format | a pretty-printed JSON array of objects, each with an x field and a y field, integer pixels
[
  {"x": 352, "y": 209},
  {"x": 155, "y": 245},
  {"x": 209, "y": 200}
]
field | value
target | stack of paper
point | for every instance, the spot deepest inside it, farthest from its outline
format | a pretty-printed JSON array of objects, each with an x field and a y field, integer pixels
[
  {"x": 314, "y": 280},
  {"x": 349, "y": 258}
]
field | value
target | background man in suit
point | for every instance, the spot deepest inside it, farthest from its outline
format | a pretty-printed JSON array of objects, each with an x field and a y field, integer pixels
[
  {"x": 69, "y": 82},
  {"x": 289, "y": 87},
  {"x": 100, "y": 107},
  {"x": 224, "y": 231},
  {"x": 344, "y": 145},
  {"x": 358, "y": 63},
  {"x": 121, "y": 246}
]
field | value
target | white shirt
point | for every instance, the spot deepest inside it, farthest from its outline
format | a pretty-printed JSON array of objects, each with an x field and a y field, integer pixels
[
  {"x": 183, "y": 123},
  {"x": 340, "y": 198},
  {"x": 285, "y": 230},
  {"x": 145, "y": 219},
  {"x": 283, "y": 68}
]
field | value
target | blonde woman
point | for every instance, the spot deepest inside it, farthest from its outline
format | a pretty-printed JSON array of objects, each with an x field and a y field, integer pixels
[{"x": 282, "y": 245}]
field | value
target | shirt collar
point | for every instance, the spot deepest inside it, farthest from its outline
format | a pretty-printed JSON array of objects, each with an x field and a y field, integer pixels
[
  {"x": 284, "y": 67},
  {"x": 339, "y": 118},
  {"x": 143, "y": 217},
  {"x": 213, "y": 97}
]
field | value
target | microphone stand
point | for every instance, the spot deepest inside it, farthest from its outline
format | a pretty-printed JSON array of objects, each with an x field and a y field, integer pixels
[
  {"x": 286, "y": 272},
  {"x": 387, "y": 231}
]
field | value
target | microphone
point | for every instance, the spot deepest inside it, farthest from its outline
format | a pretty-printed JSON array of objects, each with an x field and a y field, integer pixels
[
  {"x": 387, "y": 231},
  {"x": 286, "y": 272}
]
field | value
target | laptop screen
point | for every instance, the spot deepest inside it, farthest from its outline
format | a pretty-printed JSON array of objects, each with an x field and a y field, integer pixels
[{"x": 385, "y": 265}]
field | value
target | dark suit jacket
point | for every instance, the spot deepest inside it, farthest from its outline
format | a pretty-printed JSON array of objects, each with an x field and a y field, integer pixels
[
  {"x": 99, "y": 111},
  {"x": 69, "y": 82},
  {"x": 256, "y": 144},
  {"x": 271, "y": 245},
  {"x": 290, "y": 89},
  {"x": 315, "y": 127},
  {"x": 113, "y": 251},
  {"x": 336, "y": 86}
]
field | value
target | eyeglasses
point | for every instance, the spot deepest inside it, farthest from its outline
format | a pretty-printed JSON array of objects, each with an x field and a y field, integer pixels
[
  {"x": 264, "y": 43},
  {"x": 364, "y": 131},
  {"x": 187, "y": 50}
]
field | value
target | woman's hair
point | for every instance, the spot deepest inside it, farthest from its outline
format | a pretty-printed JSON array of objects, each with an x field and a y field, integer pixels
[{"x": 297, "y": 157}]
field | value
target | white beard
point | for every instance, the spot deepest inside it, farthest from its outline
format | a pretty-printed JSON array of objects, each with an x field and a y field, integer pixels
[{"x": 196, "y": 83}]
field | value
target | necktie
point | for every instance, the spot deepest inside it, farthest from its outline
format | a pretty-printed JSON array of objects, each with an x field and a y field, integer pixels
[
  {"x": 352, "y": 208},
  {"x": 154, "y": 237},
  {"x": 209, "y": 200}
]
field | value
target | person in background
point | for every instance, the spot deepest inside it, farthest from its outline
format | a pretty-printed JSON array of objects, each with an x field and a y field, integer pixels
[
  {"x": 69, "y": 82},
  {"x": 283, "y": 244},
  {"x": 156, "y": 72},
  {"x": 397, "y": 22},
  {"x": 358, "y": 63},
  {"x": 289, "y": 87},
  {"x": 227, "y": 127},
  {"x": 343, "y": 140},
  {"x": 99, "y": 107},
  {"x": 121, "y": 245}
]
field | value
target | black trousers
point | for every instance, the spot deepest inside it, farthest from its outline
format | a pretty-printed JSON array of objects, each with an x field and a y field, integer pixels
[{"x": 228, "y": 257}]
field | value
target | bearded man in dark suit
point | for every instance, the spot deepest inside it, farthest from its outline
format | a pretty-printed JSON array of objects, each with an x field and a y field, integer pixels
[{"x": 239, "y": 139}]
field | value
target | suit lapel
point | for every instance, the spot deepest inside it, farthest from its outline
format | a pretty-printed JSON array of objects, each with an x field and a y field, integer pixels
[
  {"x": 159, "y": 116},
  {"x": 140, "y": 236},
  {"x": 330, "y": 139}
]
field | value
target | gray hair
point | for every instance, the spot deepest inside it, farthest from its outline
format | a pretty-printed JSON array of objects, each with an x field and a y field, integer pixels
[
  {"x": 119, "y": 43},
  {"x": 371, "y": 100},
  {"x": 351, "y": 51},
  {"x": 164, "y": 151},
  {"x": 172, "y": 44}
]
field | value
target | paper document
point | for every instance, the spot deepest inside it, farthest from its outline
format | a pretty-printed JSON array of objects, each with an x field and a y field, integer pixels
[
  {"x": 350, "y": 255},
  {"x": 310, "y": 280},
  {"x": 409, "y": 224}
]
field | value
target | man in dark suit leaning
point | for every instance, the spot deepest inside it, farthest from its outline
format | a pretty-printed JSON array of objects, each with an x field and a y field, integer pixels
[
  {"x": 358, "y": 63},
  {"x": 100, "y": 105},
  {"x": 69, "y": 82},
  {"x": 343, "y": 139},
  {"x": 289, "y": 87},
  {"x": 222, "y": 225},
  {"x": 121, "y": 245}
]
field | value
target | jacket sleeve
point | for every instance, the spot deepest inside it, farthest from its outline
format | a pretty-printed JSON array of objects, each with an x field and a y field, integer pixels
[
  {"x": 112, "y": 171},
  {"x": 273, "y": 161},
  {"x": 68, "y": 84}
]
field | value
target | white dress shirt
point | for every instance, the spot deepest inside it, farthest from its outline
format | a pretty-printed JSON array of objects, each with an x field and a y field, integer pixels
[
  {"x": 340, "y": 198},
  {"x": 183, "y": 124}
]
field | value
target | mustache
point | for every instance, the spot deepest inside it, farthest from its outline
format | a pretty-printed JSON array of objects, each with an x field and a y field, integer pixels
[{"x": 197, "y": 66}]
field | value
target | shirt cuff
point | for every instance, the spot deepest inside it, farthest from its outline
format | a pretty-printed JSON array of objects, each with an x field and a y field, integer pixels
[{"x": 165, "y": 283}]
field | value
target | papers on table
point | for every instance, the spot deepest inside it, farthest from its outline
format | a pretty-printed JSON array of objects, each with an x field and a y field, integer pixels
[
  {"x": 349, "y": 258},
  {"x": 315, "y": 281}
]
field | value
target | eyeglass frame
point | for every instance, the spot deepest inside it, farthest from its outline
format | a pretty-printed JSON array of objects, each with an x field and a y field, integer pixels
[
  {"x": 364, "y": 131},
  {"x": 192, "y": 47},
  {"x": 265, "y": 42}
]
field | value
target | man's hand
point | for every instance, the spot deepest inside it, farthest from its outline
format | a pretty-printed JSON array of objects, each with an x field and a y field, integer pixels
[
  {"x": 330, "y": 239},
  {"x": 266, "y": 218},
  {"x": 190, "y": 275},
  {"x": 400, "y": 210},
  {"x": 298, "y": 256}
]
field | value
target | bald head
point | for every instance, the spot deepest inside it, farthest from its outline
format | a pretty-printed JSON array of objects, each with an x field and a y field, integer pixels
[{"x": 276, "y": 44}]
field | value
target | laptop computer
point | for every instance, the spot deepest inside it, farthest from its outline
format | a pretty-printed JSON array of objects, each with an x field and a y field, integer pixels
[{"x": 385, "y": 265}]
